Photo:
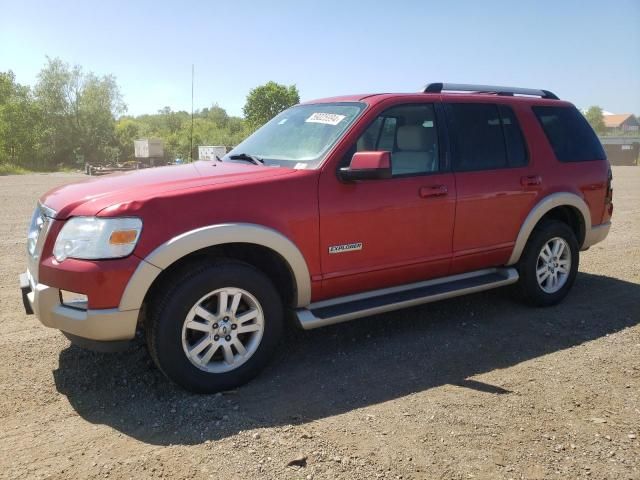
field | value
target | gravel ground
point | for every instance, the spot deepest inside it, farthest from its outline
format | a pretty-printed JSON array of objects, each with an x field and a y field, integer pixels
[{"x": 477, "y": 387}]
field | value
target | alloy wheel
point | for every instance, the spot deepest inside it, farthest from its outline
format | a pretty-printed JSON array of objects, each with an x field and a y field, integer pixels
[
  {"x": 553, "y": 265},
  {"x": 223, "y": 330}
]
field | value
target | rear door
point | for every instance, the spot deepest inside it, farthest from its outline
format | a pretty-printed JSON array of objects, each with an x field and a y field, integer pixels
[{"x": 495, "y": 185}]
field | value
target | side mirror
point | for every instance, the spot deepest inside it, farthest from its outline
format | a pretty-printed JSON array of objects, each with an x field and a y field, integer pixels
[{"x": 367, "y": 166}]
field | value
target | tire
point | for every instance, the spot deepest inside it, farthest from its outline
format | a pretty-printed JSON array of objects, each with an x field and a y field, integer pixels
[
  {"x": 545, "y": 293},
  {"x": 184, "y": 316}
]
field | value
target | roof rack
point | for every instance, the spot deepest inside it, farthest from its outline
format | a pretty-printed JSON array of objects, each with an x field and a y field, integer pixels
[{"x": 509, "y": 91}]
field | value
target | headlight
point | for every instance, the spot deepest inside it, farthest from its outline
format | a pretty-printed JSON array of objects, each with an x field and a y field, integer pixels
[
  {"x": 37, "y": 221},
  {"x": 93, "y": 238}
]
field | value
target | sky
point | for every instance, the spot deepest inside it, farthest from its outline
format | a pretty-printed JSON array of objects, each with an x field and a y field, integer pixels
[{"x": 587, "y": 52}]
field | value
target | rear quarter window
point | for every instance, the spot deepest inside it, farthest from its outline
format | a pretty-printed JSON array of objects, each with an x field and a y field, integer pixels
[{"x": 569, "y": 133}]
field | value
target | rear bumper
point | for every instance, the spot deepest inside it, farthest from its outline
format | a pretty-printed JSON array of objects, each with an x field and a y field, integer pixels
[
  {"x": 104, "y": 325},
  {"x": 596, "y": 234}
]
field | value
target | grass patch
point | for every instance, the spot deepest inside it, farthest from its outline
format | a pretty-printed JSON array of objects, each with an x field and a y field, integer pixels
[
  {"x": 6, "y": 169},
  {"x": 66, "y": 169},
  {"x": 9, "y": 169}
]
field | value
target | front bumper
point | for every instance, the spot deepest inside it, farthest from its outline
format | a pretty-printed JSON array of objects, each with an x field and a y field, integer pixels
[{"x": 103, "y": 325}]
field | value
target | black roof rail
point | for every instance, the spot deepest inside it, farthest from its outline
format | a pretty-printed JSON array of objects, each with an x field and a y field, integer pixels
[{"x": 463, "y": 87}]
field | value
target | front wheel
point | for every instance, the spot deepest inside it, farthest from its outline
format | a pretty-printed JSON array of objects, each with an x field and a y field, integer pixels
[
  {"x": 549, "y": 264},
  {"x": 215, "y": 327}
]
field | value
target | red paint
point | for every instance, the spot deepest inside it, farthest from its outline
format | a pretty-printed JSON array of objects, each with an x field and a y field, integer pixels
[
  {"x": 412, "y": 228},
  {"x": 370, "y": 160}
]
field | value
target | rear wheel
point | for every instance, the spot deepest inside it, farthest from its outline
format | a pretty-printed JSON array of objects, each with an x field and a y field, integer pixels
[
  {"x": 549, "y": 264},
  {"x": 214, "y": 328}
]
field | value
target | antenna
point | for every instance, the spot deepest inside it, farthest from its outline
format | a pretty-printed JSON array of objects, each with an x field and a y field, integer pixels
[{"x": 191, "y": 134}]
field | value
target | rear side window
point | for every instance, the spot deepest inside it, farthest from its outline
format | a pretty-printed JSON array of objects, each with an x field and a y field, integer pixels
[
  {"x": 513, "y": 138},
  {"x": 569, "y": 133},
  {"x": 485, "y": 137},
  {"x": 478, "y": 137}
]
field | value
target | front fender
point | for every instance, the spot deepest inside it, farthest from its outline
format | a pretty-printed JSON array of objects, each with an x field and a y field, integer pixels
[{"x": 184, "y": 244}]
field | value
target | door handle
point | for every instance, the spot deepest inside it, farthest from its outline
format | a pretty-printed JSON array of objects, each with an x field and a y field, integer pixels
[
  {"x": 531, "y": 181},
  {"x": 433, "y": 191}
]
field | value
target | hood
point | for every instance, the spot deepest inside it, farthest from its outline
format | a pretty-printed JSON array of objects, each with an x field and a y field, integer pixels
[{"x": 97, "y": 193}]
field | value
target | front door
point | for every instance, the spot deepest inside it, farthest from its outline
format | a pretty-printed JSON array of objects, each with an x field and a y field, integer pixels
[{"x": 380, "y": 233}]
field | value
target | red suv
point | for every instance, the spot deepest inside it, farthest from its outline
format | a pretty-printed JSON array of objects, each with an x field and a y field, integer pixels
[{"x": 336, "y": 209}]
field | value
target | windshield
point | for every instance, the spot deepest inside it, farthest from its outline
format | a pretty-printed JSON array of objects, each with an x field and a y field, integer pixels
[{"x": 300, "y": 136}]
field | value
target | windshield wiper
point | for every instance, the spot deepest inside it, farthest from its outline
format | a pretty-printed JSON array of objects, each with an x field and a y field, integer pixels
[{"x": 249, "y": 158}]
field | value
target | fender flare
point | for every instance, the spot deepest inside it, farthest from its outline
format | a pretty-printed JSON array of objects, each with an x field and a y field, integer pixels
[
  {"x": 184, "y": 244},
  {"x": 548, "y": 203}
]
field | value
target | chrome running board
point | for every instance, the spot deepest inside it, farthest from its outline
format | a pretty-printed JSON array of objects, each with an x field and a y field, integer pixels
[{"x": 350, "y": 307}]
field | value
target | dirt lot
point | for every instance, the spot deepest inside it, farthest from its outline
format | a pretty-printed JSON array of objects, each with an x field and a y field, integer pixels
[{"x": 478, "y": 387}]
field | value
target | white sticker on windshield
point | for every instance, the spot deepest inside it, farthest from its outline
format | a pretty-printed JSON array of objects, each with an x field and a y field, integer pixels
[
  {"x": 300, "y": 166},
  {"x": 326, "y": 118}
]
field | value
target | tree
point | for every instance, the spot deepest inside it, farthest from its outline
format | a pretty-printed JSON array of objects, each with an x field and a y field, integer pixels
[
  {"x": 596, "y": 119},
  {"x": 127, "y": 130},
  {"x": 266, "y": 101},
  {"x": 20, "y": 122},
  {"x": 211, "y": 126},
  {"x": 72, "y": 116},
  {"x": 80, "y": 112}
]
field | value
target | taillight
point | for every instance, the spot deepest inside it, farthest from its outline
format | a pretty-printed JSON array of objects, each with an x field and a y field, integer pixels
[{"x": 609, "y": 196}]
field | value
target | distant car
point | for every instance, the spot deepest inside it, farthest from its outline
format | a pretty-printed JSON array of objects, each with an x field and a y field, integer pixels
[
  {"x": 336, "y": 209},
  {"x": 178, "y": 161}
]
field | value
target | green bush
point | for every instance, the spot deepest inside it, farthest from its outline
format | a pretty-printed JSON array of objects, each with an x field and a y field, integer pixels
[{"x": 6, "y": 169}]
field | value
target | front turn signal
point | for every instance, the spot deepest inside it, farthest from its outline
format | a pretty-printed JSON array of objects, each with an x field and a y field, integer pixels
[{"x": 123, "y": 237}]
